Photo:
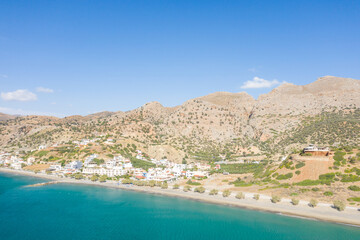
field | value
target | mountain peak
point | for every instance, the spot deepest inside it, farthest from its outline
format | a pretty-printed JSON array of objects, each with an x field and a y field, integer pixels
[{"x": 223, "y": 98}]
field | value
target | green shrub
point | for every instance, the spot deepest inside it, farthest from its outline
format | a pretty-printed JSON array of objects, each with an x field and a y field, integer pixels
[
  {"x": 313, "y": 203},
  {"x": 308, "y": 182},
  {"x": 295, "y": 201},
  {"x": 78, "y": 176},
  {"x": 240, "y": 195},
  {"x": 126, "y": 181},
  {"x": 199, "y": 189},
  {"x": 350, "y": 178},
  {"x": 41, "y": 153},
  {"x": 214, "y": 192},
  {"x": 193, "y": 183},
  {"x": 226, "y": 193},
  {"x": 297, "y": 172},
  {"x": 339, "y": 158},
  {"x": 138, "y": 163},
  {"x": 176, "y": 186},
  {"x": 152, "y": 183},
  {"x": 186, "y": 188},
  {"x": 327, "y": 176},
  {"x": 275, "y": 199},
  {"x": 103, "y": 178},
  {"x": 94, "y": 178},
  {"x": 275, "y": 175},
  {"x": 299, "y": 165},
  {"x": 98, "y": 161},
  {"x": 164, "y": 185},
  {"x": 242, "y": 168},
  {"x": 339, "y": 205},
  {"x": 354, "y": 199},
  {"x": 240, "y": 183},
  {"x": 256, "y": 196},
  {"x": 354, "y": 188},
  {"x": 328, "y": 193},
  {"x": 285, "y": 176},
  {"x": 287, "y": 164}
]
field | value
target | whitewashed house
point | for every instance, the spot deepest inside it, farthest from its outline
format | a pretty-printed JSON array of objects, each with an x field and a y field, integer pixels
[{"x": 74, "y": 165}]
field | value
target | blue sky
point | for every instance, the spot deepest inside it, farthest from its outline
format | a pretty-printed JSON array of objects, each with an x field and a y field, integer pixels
[{"x": 80, "y": 57}]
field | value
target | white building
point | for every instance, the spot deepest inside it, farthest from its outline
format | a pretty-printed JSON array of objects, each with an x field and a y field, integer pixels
[
  {"x": 199, "y": 174},
  {"x": 117, "y": 171},
  {"x": 74, "y": 165},
  {"x": 159, "y": 174},
  {"x": 55, "y": 167},
  {"x": 42, "y": 147},
  {"x": 30, "y": 160},
  {"x": 16, "y": 165}
]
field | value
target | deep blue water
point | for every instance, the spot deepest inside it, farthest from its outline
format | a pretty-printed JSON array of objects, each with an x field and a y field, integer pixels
[{"x": 86, "y": 212}]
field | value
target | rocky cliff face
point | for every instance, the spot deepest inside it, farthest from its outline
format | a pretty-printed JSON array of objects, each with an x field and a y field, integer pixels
[
  {"x": 221, "y": 122},
  {"x": 324, "y": 94}
]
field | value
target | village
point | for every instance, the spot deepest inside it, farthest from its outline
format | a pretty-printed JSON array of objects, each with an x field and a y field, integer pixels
[{"x": 117, "y": 167}]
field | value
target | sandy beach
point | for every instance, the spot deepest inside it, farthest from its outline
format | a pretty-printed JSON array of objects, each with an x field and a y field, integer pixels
[{"x": 323, "y": 211}]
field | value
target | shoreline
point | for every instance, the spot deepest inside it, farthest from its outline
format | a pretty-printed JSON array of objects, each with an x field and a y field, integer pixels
[{"x": 349, "y": 217}]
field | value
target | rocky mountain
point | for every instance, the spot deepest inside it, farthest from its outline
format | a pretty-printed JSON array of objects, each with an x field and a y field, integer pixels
[{"x": 326, "y": 112}]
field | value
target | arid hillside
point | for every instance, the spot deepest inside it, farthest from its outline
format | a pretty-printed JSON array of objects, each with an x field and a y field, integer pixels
[
  {"x": 4, "y": 117},
  {"x": 219, "y": 125}
]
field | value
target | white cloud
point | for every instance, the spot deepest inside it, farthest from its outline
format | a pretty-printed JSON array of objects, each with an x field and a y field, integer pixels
[
  {"x": 260, "y": 83},
  {"x": 22, "y": 95},
  {"x": 44, "y": 90}
]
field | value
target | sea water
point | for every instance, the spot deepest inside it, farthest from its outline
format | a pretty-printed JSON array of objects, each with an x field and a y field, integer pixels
[{"x": 70, "y": 211}]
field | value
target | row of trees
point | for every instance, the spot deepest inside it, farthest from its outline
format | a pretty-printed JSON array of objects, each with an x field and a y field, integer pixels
[{"x": 339, "y": 205}]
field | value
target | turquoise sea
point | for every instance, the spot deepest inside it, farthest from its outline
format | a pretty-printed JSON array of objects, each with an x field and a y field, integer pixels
[{"x": 67, "y": 211}]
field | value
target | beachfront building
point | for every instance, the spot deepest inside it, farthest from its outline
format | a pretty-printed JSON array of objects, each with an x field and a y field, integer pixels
[
  {"x": 112, "y": 172},
  {"x": 74, "y": 165},
  {"x": 55, "y": 167},
  {"x": 196, "y": 174},
  {"x": 16, "y": 165},
  {"x": 159, "y": 174},
  {"x": 139, "y": 173}
]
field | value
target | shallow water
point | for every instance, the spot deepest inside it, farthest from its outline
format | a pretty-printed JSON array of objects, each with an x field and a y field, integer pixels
[{"x": 65, "y": 211}]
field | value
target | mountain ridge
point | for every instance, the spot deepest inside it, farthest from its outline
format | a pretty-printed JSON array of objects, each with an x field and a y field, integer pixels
[{"x": 218, "y": 122}]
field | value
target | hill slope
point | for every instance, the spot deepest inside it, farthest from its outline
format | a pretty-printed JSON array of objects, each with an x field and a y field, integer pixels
[{"x": 232, "y": 124}]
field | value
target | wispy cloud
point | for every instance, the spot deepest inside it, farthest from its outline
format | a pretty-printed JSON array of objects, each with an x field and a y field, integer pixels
[
  {"x": 257, "y": 82},
  {"x": 44, "y": 90},
  {"x": 22, "y": 95},
  {"x": 3, "y": 76}
]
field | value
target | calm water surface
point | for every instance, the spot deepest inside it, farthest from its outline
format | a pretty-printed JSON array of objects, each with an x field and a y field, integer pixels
[{"x": 67, "y": 211}]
